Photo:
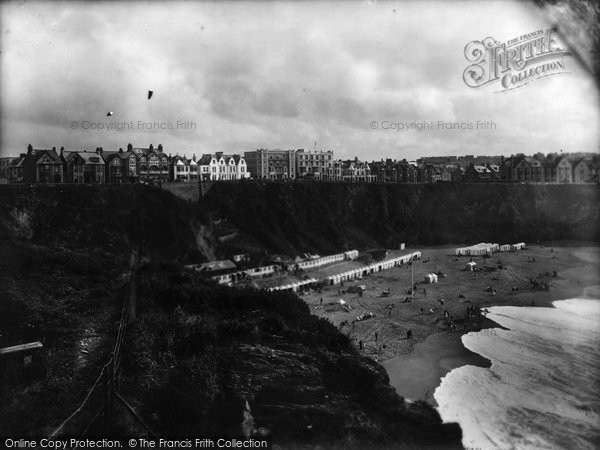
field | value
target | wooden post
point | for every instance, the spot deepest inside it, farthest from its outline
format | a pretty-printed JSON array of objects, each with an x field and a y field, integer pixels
[
  {"x": 108, "y": 405},
  {"x": 132, "y": 291}
]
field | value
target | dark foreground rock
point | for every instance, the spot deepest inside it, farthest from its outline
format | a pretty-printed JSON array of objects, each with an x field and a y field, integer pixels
[{"x": 206, "y": 359}]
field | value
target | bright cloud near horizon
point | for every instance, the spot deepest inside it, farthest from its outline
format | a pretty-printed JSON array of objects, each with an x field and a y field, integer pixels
[{"x": 278, "y": 75}]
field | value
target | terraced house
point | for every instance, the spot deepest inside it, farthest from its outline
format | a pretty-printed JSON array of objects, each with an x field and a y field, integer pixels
[
  {"x": 153, "y": 163},
  {"x": 14, "y": 172},
  {"x": 42, "y": 166},
  {"x": 430, "y": 173},
  {"x": 221, "y": 167},
  {"x": 562, "y": 170},
  {"x": 356, "y": 171},
  {"x": 183, "y": 169},
  {"x": 121, "y": 166},
  {"x": 83, "y": 166},
  {"x": 477, "y": 173},
  {"x": 385, "y": 171},
  {"x": 584, "y": 171}
]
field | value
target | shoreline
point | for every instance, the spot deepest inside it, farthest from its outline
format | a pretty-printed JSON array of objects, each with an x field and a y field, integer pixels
[{"x": 417, "y": 368}]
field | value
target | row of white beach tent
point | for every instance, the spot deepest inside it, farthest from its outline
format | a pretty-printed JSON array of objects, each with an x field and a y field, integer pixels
[
  {"x": 372, "y": 268},
  {"x": 317, "y": 262},
  {"x": 477, "y": 249},
  {"x": 487, "y": 248},
  {"x": 293, "y": 286}
]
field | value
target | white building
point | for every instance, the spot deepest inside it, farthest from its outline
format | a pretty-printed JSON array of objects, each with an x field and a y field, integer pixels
[
  {"x": 183, "y": 169},
  {"x": 221, "y": 167}
]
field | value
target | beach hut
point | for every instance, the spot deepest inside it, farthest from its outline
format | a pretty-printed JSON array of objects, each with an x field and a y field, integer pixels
[
  {"x": 471, "y": 266},
  {"x": 505, "y": 248},
  {"x": 518, "y": 246}
]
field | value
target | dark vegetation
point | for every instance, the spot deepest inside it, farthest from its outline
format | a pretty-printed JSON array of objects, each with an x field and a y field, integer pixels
[
  {"x": 112, "y": 218},
  {"x": 327, "y": 217},
  {"x": 67, "y": 300}
]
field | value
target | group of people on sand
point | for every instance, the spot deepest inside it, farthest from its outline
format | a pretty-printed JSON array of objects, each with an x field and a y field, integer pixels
[{"x": 361, "y": 343}]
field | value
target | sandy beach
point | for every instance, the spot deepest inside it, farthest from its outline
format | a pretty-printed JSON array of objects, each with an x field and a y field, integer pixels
[{"x": 416, "y": 365}]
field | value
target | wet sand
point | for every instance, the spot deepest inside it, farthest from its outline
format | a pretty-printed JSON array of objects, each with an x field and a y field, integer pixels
[
  {"x": 415, "y": 366},
  {"x": 417, "y": 374}
]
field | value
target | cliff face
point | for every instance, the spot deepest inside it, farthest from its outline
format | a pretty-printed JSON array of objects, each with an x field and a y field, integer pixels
[
  {"x": 328, "y": 217},
  {"x": 112, "y": 218},
  {"x": 294, "y": 218},
  {"x": 201, "y": 356}
]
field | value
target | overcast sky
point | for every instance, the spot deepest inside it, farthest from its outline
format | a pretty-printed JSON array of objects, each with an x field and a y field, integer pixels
[{"x": 278, "y": 75}]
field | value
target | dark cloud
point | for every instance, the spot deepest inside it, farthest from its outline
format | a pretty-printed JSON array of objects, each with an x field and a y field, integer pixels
[{"x": 276, "y": 74}]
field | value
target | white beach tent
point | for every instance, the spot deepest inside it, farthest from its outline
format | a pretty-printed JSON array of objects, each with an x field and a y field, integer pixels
[{"x": 471, "y": 266}]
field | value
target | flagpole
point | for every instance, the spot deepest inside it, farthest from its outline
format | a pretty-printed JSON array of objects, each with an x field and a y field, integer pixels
[{"x": 412, "y": 276}]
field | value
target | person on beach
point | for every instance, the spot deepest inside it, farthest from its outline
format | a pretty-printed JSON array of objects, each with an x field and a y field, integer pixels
[
  {"x": 409, "y": 334},
  {"x": 376, "y": 336},
  {"x": 321, "y": 300},
  {"x": 360, "y": 344}
]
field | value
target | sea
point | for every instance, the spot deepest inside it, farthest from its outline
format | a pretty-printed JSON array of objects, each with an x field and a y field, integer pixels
[{"x": 542, "y": 390}]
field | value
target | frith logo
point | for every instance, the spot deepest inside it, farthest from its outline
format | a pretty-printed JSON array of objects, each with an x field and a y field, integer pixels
[{"x": 516, "y": 62}]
